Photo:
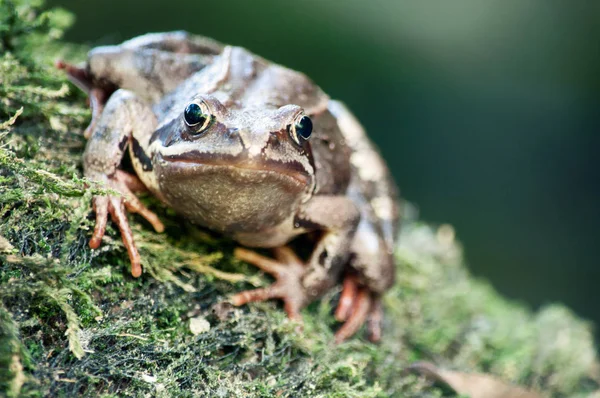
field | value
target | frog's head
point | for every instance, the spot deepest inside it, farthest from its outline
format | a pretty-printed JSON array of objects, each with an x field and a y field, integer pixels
[{"x": 235, "y": 169}]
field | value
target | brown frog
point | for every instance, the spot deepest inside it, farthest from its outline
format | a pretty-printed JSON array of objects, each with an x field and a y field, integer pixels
[{"x": 248, "y": 148}]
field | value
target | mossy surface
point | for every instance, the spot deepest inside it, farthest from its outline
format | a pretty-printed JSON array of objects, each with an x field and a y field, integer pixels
[{"x": 73, "y": 321}]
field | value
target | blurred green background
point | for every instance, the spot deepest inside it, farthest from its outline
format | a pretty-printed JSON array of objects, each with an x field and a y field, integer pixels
[{"x": 487, "y": 112}]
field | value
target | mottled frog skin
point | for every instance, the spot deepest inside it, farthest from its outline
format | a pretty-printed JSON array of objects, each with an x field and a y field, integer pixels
[{"x": 252, "y": 150}]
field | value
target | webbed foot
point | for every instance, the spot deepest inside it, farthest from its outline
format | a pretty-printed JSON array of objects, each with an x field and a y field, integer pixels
[
  {"x": 357, "y": 304},
  {"x": 287, "y": 269}
]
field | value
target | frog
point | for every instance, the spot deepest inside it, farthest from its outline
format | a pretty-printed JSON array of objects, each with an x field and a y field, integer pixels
[{"x": 252, "y": 150}]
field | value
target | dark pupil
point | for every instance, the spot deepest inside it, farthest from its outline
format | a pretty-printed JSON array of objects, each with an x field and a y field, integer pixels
[
  {"x": 193, "y": 115},
  {"x": 304, "y": 127}
]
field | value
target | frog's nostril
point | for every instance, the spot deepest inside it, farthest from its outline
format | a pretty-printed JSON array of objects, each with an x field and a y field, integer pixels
[{"x": 234, "y": 135}]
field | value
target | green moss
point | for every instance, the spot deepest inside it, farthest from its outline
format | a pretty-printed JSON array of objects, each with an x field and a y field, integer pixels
[{"x": 73, "y": 321}]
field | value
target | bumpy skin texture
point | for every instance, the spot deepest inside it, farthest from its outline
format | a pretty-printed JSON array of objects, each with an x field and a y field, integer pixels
[{"x": 245, "y": 171}]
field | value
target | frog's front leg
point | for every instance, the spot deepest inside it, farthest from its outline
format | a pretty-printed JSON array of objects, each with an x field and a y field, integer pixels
[
  {"x": 297, "y": 284},
  {"x": 124, "y": 115}
]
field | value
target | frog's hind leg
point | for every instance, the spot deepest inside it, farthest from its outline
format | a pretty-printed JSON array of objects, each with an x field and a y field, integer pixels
[
  {"x": 152, "y": 65},
  {"x": 97, "y": 95},
  {"x": 287, "y": 269},
  {"x": 298, "y": 282},
  {"x": 370, "y": 274}
]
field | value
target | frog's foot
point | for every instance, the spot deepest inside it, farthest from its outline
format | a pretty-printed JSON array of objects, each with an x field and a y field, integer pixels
[
  {"x": 287, "y": 269},
  {"x": 126, "y": 184},
  {"x": 97, "y": 95},
  {"x": 358, "y": 305},
  {"x": 79, "y": 76}
]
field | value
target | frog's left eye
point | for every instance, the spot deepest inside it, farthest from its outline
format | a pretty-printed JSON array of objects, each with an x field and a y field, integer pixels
[
  {"x": 301, "y": 130},
  {"x": 197, "y": 116}
]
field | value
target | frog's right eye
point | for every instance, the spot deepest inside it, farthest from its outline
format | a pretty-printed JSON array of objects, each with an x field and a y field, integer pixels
[{"x": 197, "y": 117}]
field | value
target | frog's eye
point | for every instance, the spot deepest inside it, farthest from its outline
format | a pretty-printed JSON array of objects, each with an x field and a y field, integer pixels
[
  {"x": 301, "y": 129},
  {"x": 197, "y": 116}
]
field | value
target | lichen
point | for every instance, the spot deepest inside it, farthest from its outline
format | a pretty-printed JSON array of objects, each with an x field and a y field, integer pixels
[{"x": 73, "y": 321}]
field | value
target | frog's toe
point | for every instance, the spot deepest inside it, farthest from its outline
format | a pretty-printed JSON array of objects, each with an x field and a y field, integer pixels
[
  {"x": 347, "y": 298},
  {"x": 134, "y": 205},
  {"x": 356, "y": 306},
  {"x": 127, "y": 184},
  {"x": 358, "y": 315},
  {"x": 113, "y": 205},
  {"x": 117, "y": 207},
  {"x": 119, "y": 217},
  {"x": 78, "y": 75},
  {"x": 101, "y": 208},
  {"x": 270, "y": 266},
  {"x": 375, "y": 320},
  {"x": 275, "y": 291},
  {"x": 287, "y": 270}
]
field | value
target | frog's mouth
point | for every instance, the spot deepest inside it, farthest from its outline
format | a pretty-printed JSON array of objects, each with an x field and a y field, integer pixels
[{"x": 195, "y": 162}]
